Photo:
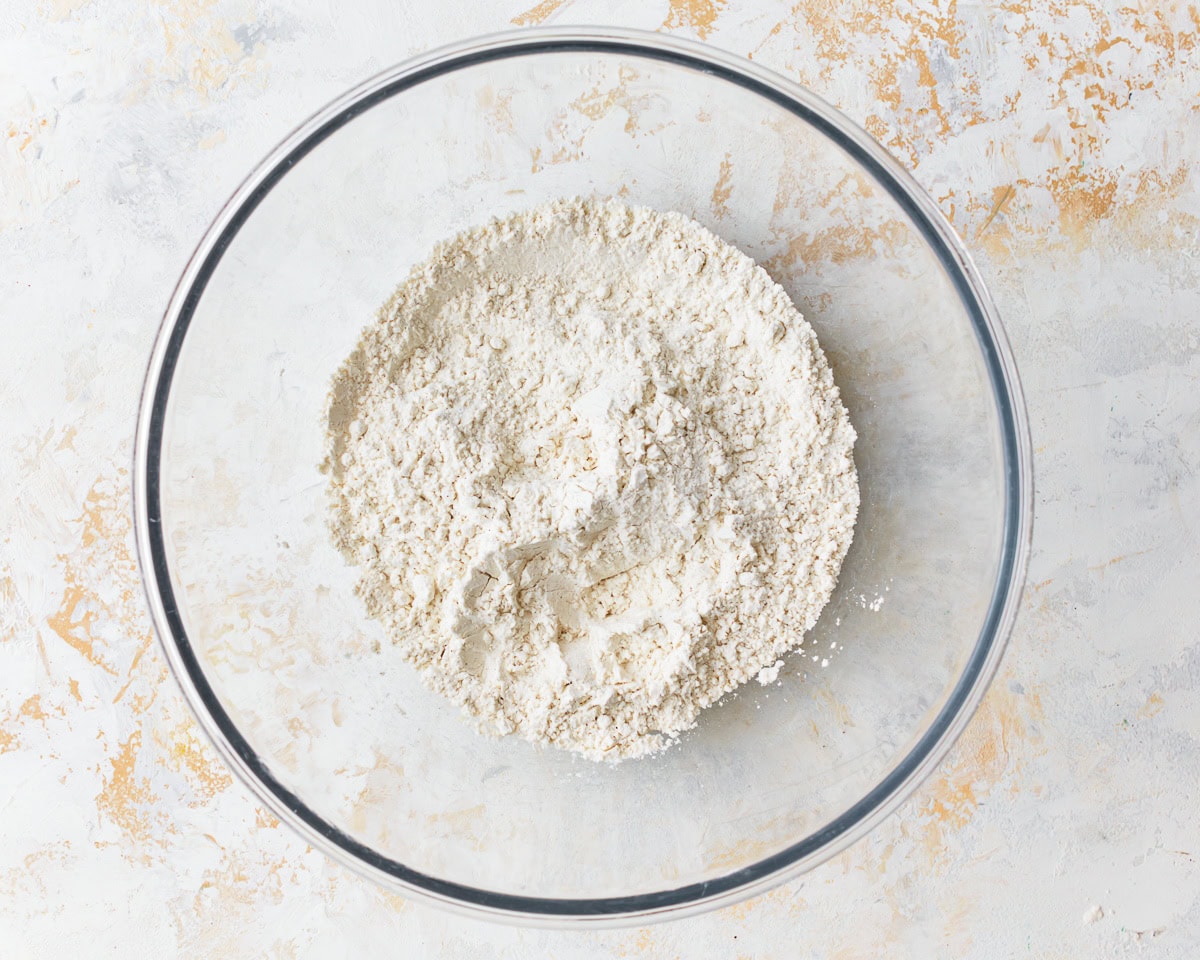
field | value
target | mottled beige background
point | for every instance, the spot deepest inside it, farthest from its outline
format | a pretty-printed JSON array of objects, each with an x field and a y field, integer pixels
[{"x": 1062, "y": 141}]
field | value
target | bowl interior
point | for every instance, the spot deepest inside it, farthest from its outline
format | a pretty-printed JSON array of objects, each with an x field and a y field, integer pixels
[{"x": 266, "y": 602}]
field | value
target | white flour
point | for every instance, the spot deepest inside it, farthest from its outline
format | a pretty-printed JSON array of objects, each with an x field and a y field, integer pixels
[{"x": 595, "y": 472}]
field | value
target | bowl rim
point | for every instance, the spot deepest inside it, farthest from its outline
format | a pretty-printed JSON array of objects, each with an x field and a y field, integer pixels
[{"x": 854, "y": 823}]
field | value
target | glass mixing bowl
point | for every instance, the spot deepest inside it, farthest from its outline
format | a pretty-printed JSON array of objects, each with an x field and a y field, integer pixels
[{"x": 299, "y": 690}]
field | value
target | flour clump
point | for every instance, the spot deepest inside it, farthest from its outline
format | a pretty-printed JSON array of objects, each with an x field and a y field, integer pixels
[{"x": 594, "y": 471}]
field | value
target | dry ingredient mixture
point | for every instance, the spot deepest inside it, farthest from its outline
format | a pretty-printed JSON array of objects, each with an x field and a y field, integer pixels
[{"x": 595, "y": 472}]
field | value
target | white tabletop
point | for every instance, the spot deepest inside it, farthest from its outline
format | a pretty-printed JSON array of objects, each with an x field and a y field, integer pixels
[{"x": 1062, "y": 142}]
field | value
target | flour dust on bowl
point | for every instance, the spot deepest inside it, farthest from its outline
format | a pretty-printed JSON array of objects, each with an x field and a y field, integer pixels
[{"x": 303, "y": 694}]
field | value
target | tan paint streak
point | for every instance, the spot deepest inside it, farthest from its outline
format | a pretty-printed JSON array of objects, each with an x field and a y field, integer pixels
[
  {"x": 102, "y": 587},
  {"x": 144, "y": 642},
  {"x": 42, "y": 654},
  {"x": 1120, "y": 558},
  {"x": 463, "y": 824},
  {"x": 1082, "y": 199},
  {"x": 981, "y": 760},
  {"x": 32, "y": 708},
  {"x": 123, "y": 690},
  {"x": 1003, "y": 196},
  {"x": 264, "y": 820},
  {"x": 497, "y": 108},
  {"x": 839, "y": 244},
  {"x": 953, "y": 804},
  {"x": 598, "y": 102},
  {"x": 565, "y": 135},
  {"x": 698, "y": 15},
  {"x": 642, "y": 946},
  {"x": 395, "y": 902},
  {"x": 75, "y": 632},
  {"x": 125, "y": 795},
  {"x": 723, "y": 188},
  {"x": 185, "y": 753},
  {"x": 199, "y": 51},
  {"x": 739, "y": 855},
  {"x": 382, "y": 777},
  {"x": 9, "y": 599},
  {"x": 925, "y": 78},
  {"x": 876, "y": 128},
  {"x": 1153, "y": 705},
  {"x": 538, "y": 14},
  {"x": 104, "y": 553},
  {"x": 773, "y": 32},
  {"x": 96, "y": 522},
  {"x": 1088, "y": 89},
  {"x": 946, "y": 202},
  {"x": 837, "y": 709},
  {"x": 459, "y": 818},
  {"x": 68, "y": 439},
  {"x": 238, "y": 887},
  {"x": 900, "y": 44}
]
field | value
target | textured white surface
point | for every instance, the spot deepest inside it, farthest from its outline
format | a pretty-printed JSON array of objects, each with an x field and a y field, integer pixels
[{"x": 1062, "y": 142}]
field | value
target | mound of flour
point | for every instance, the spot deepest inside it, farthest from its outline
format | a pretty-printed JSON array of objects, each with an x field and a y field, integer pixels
[{"x": 594, "y": 471}]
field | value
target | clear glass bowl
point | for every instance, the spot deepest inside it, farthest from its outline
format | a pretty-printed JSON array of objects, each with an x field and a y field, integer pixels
[{"x": 300, "y": 692}]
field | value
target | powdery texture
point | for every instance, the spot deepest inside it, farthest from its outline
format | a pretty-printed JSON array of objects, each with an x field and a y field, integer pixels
[{"x": 595, "y": 472}]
